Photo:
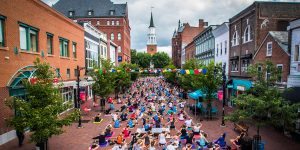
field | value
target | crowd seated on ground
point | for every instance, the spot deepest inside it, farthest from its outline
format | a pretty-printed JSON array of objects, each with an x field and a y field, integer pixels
[{"x": 146, "y": 107}]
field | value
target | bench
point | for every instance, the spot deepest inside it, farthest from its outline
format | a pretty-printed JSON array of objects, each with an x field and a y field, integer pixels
[{"x": 241, "y": 127}]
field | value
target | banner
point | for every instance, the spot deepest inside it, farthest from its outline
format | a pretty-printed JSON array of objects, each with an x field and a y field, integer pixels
[{"x": 181, "y": 71}]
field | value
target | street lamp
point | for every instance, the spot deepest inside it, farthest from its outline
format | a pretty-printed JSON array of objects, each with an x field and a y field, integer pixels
[
  {"x": 77, "y": 102},
  {"x": 224, "y": 95}
]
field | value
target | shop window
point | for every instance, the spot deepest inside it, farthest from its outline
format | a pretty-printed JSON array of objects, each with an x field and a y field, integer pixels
[{"x": 67, "y": 94}]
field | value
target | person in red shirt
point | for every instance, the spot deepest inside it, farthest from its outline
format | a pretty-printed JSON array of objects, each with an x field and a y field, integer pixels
[{"x": 126, "y": 132}]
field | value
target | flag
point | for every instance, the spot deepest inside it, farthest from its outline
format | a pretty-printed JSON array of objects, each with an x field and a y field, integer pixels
[
  {"x": 196, "y": 71},
  {"x": 182, "y": 71},
  {"x": 192, "y": 72},
  {"x": 204, "y": 71},
  {"x": 187, "y": 71}
]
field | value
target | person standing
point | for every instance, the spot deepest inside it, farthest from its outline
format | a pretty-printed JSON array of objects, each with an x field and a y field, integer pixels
[
  {"x": 21, "y": 137},
  {"x": 102, "y": 103}
]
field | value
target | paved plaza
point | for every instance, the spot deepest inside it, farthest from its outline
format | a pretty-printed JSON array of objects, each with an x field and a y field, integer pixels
[{"x": 81, "y": 138}]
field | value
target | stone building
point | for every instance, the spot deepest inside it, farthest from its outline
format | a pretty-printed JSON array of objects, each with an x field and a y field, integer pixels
[
  {"x": 182, "y": 37},
  {"x": 51, "y": 37},
  {"x": 205, "y": 45},
  {"x": 248, "y": 29},
  {"x": 110, "y": 18},
  {"x": 274, "y": 48}
]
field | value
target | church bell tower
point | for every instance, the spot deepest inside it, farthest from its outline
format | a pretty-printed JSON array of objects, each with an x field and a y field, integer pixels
[{"x": 151, "y": 44}]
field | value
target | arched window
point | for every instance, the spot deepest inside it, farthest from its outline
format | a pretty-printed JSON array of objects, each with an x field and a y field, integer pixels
[
  {"x": 112, "y": 36},
  {"x": 119, "y": 36},
  {"x": 247, "y": 34},
  {"x": 235, "y": 39}
]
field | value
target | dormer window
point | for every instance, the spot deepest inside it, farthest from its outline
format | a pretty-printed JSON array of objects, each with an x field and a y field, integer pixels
[
  {"x": 71, "y": 13},
  {"x": 90, "y": 12},
  {"x": 112, "y": 12}
]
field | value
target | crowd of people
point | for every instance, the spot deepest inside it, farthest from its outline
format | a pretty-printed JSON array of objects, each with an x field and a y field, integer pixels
[{"x": 152, "y": 115}]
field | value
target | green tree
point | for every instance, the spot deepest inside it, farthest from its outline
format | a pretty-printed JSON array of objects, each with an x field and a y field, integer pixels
[
  {"x": 160, "y": 59},
  {"x": 144, "y": 59},
  {"x": 170, "y": 76},
  {"x": 134, "y": 58},
  {"x": 122, "y": 78},
  {"x": 104, "y": 79},
  {"x": 41, "y": 112},
  {"x": 263, "y": 104},
  {"x": 186, "y": 80}
]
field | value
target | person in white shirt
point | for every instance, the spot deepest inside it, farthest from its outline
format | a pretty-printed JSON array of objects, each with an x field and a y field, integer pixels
[
  {"x": 170, "y": 104},
  {"x": 114, "y": 117},
  {"x": 188, "y": 122},
  {"x": 162, "y": 138},
  {"x": 181, "y": 105},
  {"x": 172, "y": 146},
  {"x": 181, "y": 117},
  {"x": 196, "y": 128}
]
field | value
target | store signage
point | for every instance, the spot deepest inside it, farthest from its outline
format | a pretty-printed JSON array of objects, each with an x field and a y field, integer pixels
[{"x": 240, "y": 88}]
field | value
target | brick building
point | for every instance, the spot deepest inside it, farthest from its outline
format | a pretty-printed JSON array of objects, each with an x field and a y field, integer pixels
[
  {"x": 26, "y": 35},
  {"x": 182, "y": 37},
  {"x": 110, "y": 18},
  {"x": 248, "y": 29},
  {"x": 275, "y": 48},
  {"x": 190, "y": 51}
]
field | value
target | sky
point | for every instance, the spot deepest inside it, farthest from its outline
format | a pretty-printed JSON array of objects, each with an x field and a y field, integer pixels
[{"x": 166, "y": 14}]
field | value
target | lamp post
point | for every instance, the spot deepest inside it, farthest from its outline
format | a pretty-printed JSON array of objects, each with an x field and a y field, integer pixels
[
  {"x": 224, "y": 95},
  {"x": 77, "y": 102}
]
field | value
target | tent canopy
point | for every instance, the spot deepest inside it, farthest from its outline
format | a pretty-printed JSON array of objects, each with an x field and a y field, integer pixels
[{"x": 196, "y": 94}]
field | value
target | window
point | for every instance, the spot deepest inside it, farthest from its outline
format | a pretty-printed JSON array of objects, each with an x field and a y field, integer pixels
[
  {"x": 296, "y": 53},
  {"x": 92, "y": 54},
  {"x": 90, "y": 12},
  {"x": 28, "y": 38},
  {"x": 107, "y": 23},
  {"x": 111, "y": 12},
  {"x": 50, "y": 44},
  {"x": 225, "y": 47},
  {"x": 247, "y": 34},
  {"x": 235, "y": 39},
  {"x": 119, "y": 49},
  {"x": 75, "y": 72},
  {"x": 112, "y": 36},
  {"x": 234, "y": 65},
  {"x": 269, "y": 49},
  {"x": 71, "y": 13},
  {"x": 217, "y": 49},
  {"x": 117, "y": 23},
  {"x": 64, "y": 47},
  {"x": 67, "y": 94},
  {"x": 74, "y": 48},
  {"x": 221, "y": 48},
  {"x": 98, "y": 22},
  {"x": 57, "y": 72},
  {"x": 280, "y": 69},
  {"x": 2, "y": 37},
  {"x": 112, "y": 23},
  {"x": 68, "y": 73},
  {"x": 245, "y": 65}
]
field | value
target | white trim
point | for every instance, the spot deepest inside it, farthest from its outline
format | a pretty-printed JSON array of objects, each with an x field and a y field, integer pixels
[{"x": 8, "y": 136}]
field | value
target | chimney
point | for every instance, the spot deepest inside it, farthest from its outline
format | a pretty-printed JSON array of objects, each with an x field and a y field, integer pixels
[{"x": 202, "y": 24}]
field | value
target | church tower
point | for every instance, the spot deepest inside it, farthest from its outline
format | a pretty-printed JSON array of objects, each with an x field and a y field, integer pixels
[{"x": 151, "y": 44}]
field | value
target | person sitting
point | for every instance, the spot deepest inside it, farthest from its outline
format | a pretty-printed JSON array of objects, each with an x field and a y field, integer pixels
[
  {"x": 101, "y": 139},
  {"x": 147, "y": 127},
  {"x": 130, "y": 108},
  {"x": 133, "y": 116},
  {"x": 221, "y": 140},
  {"x": 196, "y": 129},
  {"x": 130, "y": 123},
  {"x": 123, "y": 116},
  {"x": 188, "y": 122},
  {"x": 119, "y": 139},
  {"x": 110, "y": 100},
  {"x": 108, "y": 132},
  {"x": 117, "y": 124},
  {"x": 146, "y": 140},
  {"x": 181, "y": 117},
  {"x": 183, "y": 132},
  {"x": 237, "y": 141},
  {"x": 162, "y": 138},
  {"x": 172, "y": 124},
  {"x": 97, "y": 119},
  {"x": 189, "y": 138},
  {"x": 202, "y": 141},
  {"x": 174, "y": 109},
  {"x": 119, "y": 101},
  {"x": 126, "y": 132},
  {"x": 111, "y": 107}
]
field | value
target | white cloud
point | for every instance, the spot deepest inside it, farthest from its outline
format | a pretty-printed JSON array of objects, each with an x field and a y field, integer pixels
[{"x": 168, "y": 12}]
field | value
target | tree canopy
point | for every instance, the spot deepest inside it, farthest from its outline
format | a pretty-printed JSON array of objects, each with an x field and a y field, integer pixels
[{"x": 159, "y": 59}]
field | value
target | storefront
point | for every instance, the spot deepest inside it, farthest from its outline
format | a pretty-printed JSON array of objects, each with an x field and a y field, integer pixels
[{"x": 236, "y": 87}]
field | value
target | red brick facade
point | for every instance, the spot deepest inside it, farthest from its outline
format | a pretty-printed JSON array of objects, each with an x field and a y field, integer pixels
[
  {"x": 36, "y": 14},
  {"x": 261, "y": 17},
  {"x": 123, "y": 28},
  {"x": 151, "y": 49},
  {"x": 190, "y": 51},
  {"x": 279, "y": 56},
  {"x": 183, "y": 37}
]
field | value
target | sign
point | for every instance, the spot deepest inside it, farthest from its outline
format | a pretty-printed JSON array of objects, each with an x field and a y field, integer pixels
[
  {"x": 230, "y": 86},
  {"x": 82, "y": 95},
  {"x": 119, "y": 58},
  {"x": 220, "y": 95},
  {"x": 240, "y": 88}
]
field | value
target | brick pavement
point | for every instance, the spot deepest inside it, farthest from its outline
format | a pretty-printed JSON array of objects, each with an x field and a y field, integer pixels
[{"x": 80, "y": 139}]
